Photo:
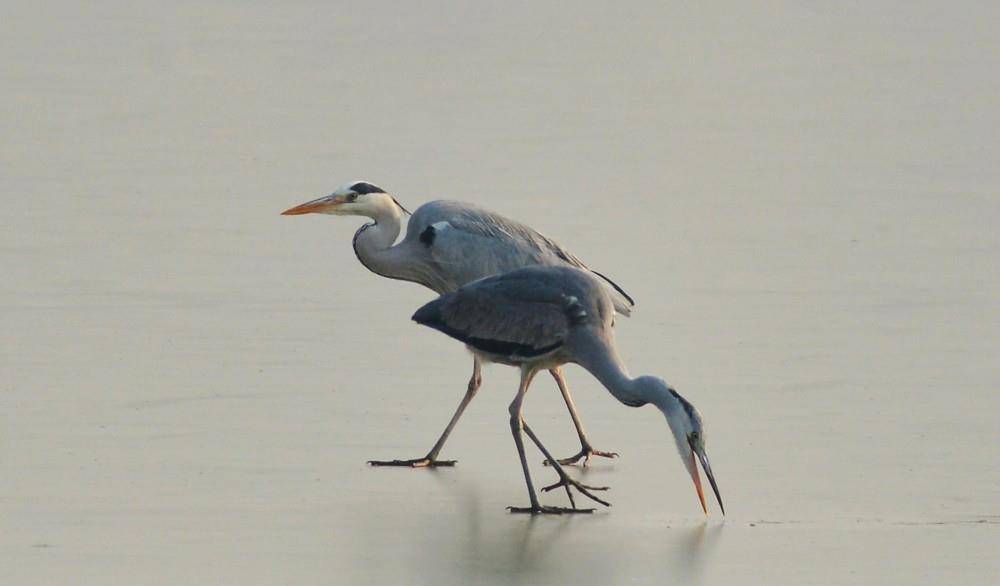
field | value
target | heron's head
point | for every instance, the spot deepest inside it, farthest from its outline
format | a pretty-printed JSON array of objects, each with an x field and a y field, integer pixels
[
  {"x": 358, "y": 198},
  {"x": 689, "y": 435}
]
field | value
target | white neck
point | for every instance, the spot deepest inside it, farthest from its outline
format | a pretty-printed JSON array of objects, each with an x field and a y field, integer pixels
[
  {"x": 373, "y": 243},
  {"x": 601, "y": 359}
]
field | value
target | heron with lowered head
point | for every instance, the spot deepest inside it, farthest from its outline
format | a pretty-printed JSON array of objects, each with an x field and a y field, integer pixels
[{"x": 539, "y": 318}]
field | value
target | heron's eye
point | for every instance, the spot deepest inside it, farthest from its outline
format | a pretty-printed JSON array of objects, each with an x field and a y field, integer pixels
[
  {"x": 352, "y": 196},
  {"x": 694, "y": 436}
]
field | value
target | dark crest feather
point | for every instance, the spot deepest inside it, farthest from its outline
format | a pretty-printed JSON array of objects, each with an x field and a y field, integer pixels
[
  {"x": 405, "y": 211},
  {"x": 363, "y": 187}
]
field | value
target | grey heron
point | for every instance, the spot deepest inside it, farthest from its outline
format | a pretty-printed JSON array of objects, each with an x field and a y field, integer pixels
[
  {"x": 448, "y": 244},
  {"x": 541, "y": 318}
]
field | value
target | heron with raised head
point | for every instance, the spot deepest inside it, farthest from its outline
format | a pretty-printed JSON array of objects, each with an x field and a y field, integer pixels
[
  {"x": 448, "y": 244},
  {"x": 540, "y": 318}
]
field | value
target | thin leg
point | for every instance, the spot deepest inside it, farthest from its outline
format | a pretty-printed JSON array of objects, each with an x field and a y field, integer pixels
[
  {"x": 431, "y": 458},
  {"x": 516, "y": 425},
  {"x": 515, "y": 430},
  {"x": 586, "y": 450}
]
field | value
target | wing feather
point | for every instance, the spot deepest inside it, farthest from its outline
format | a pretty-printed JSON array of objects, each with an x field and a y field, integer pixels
[
  {"x": 512, "y": 314},
  {"x": 469, "y": 242}
]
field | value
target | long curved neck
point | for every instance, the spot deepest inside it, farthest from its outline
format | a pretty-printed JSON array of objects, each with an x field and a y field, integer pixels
[
  {"x": 373, "y": 245},
  {"x": 601, "y": 359}
]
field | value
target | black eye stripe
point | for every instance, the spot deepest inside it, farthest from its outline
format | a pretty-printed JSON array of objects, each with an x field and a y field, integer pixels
[{"x": 688, "y": 407}]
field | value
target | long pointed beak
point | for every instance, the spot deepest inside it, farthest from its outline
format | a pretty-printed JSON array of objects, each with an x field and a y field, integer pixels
[
  {"x": 320, "y": 205},
  {"x": 697, "y": 482},
  {"x": 711, "y": 479}
]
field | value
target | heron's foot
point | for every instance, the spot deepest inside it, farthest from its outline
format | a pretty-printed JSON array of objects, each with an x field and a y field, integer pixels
[
  {"x": 586, "y": 453},
  {"x": 566, "y": 482},
  {"x": 545, "y": 510},
  {"x": 424, "y": 462}
]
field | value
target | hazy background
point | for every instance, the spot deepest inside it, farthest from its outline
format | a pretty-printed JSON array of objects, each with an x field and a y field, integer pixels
[{"x": 804, "y": 202}]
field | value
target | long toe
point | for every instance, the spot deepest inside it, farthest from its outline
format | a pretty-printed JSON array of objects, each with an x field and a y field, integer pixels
[
  {"x": 574, "y": 484},
  {"x": 546, "y": 510},
  {"x": 415, "y": 463},
  {"x": 600, "y": 454},
  {"x": 570, "y": 460},
  {"x": 567, "y": 482},
  {"x": 586, "y": 454}
]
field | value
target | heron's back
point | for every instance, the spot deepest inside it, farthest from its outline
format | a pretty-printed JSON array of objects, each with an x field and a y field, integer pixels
[
  {"x": 465, "y": 242},
  {"x": 522, "y": 315}
]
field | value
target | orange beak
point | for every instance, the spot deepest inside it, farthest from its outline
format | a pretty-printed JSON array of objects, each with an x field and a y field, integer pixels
[
  {"x": 697, "y": 482},
  {"x": 320, "y": 205},
  {"x": 699, "y": 451}
]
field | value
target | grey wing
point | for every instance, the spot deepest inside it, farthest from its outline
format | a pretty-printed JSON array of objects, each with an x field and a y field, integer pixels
[
  {"x": 513, "y": 315},
  {"x": 469, "y": 243}
]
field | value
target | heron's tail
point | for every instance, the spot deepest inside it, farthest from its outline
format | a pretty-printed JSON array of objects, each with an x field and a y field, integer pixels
[{"x": 430, "y": 314}]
